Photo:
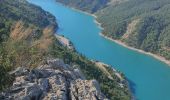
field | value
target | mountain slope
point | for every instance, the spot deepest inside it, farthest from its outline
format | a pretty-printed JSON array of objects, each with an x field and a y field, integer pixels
[
  {"x": 151, "y": 31},
  {"x": 12, "y": 11}
]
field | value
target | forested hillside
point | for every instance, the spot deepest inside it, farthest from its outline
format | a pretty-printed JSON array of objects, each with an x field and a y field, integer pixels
[
  {"x": 12, "y": 11},
  {"x": 27, "y": 40},
  {"x": 143, "y": 24},
  {"x": 90, "y": 6},
  {"x": 16, "y": 40}
]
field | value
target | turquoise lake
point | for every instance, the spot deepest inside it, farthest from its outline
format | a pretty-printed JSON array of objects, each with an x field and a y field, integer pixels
[{"x": 149, "y": 78}]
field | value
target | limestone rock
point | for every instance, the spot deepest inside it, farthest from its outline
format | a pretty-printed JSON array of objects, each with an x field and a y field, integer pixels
[
  {"x": 53, "y": 81},
  {"x": 86, "y": 90}
]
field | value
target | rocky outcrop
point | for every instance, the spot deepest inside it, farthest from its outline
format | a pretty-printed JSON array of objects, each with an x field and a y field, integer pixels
[
  {"x": 86, "y": 90},
  {"x": 54, "y": 80},
  {"x": 65, "y": 42}
]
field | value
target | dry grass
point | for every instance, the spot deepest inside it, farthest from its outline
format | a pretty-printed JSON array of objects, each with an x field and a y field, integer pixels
[
  {"x": 46, "y": 39},
  {"x": 19, "y": 32},
  {"x": 131, "y": 28},
  {"x": 23, "y": 50},
  {"x": 115, "y": 2},
  {"x": 102, "y": 67},
  {"x": 166, "y": 48}
]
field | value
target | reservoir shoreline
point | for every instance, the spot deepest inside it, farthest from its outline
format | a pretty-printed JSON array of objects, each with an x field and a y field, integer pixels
[
  {"x": 160, "y": 58},
  {"x": 156, "y": 56}
]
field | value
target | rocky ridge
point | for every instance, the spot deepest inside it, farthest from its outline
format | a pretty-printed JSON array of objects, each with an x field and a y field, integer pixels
[{"x": 54, "y": 80}]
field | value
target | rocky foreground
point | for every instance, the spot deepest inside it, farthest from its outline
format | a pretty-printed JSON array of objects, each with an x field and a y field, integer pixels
[{"x": 52, "y": 81}]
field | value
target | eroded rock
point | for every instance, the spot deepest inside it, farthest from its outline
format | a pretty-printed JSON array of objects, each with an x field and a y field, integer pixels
[{"x": 53, "y": 81}]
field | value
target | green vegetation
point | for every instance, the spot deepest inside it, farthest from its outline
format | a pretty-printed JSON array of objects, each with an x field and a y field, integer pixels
[
  {"x": 14, "y": 10},
  {"x": 90, "y": 6},
  {"x": 151, "y": 31},
  {"x": 28, "y": 41},
  {"x": 21, "y": 26}
]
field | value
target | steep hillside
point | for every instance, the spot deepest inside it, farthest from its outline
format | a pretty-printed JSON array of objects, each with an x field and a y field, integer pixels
[
  {"x": 12, "y": 11},
  {"x": 15, "y": 37},
  {"x": 28, "y": 41},
  {"x": 143, "y": 24}
]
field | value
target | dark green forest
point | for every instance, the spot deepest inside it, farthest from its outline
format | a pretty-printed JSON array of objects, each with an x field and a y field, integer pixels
[
  {"x": 27, "y": 39},
  {"x": 152, "y": 31}
]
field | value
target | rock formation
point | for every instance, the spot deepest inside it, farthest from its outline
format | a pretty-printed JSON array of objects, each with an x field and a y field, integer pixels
[{"x": 54, "y": 80}]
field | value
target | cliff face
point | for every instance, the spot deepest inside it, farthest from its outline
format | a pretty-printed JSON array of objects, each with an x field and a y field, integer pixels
[{"x": 54, "y": 80}]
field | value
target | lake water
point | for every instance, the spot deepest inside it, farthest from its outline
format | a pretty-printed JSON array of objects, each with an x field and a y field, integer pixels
[{"x": 148, "y": 77}]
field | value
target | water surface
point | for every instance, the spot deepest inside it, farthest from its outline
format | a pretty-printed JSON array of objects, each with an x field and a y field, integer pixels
[{"x": 149, "y": 78}]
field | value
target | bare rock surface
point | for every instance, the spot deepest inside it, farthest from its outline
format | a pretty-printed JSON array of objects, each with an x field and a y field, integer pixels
[{"x": 52, "y": 81}]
